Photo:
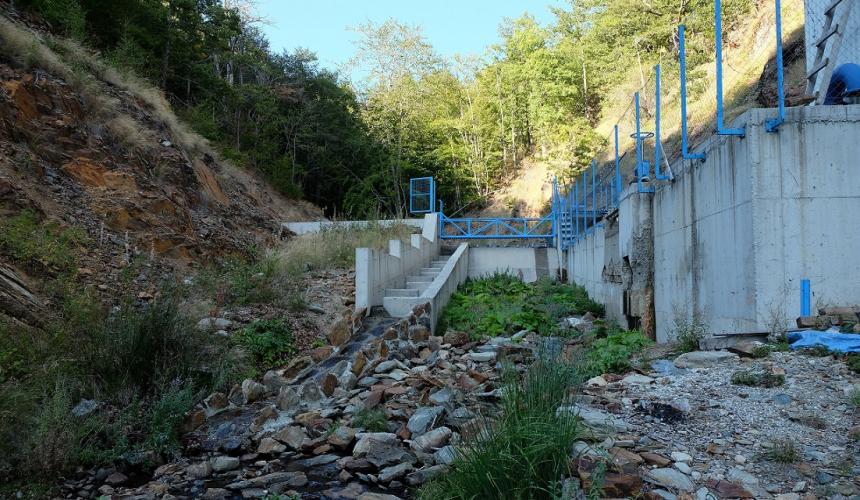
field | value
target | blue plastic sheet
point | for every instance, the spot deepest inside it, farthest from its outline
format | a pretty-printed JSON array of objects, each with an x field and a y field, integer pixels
[{"x": 831, "y": 339}]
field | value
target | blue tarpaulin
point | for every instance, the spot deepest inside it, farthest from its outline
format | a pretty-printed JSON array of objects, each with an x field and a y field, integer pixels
[{"x": 831, "y": 339}]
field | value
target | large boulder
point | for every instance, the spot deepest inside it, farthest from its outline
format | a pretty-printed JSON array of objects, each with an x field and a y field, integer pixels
[{"x": 704, "y": 359}]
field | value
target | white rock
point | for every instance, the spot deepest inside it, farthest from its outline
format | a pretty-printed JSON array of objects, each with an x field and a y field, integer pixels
[
  {"x": 679, "y": 456},
  {"x": 669, "y": 478},
  {"x": 482, "y": 357},
  {"x": 704, "y": 359},
  {"x": 637, "y": 379},
  {"x": 597, "y": 381},
  {"x": 683, "y": 467}
]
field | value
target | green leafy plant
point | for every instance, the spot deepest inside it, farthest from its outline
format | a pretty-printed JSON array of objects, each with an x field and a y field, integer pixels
[
  {"x": 270, "y": 342},
  {"x": 688, "y": 333},
  {"x": 613, "y": 353},
  {"x": 372, "y": 419},
  {"x": 502, "y": 304}
]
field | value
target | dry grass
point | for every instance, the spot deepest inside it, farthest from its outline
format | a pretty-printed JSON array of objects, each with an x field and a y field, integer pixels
[
  {"x": 334, "y": 248},
  {"x": 90, "y": 76}
]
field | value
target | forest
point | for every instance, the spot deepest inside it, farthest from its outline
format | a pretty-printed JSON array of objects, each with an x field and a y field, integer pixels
[{"x": 351, "y": 146}]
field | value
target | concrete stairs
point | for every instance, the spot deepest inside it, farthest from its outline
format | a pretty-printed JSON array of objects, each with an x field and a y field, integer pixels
[{"x": 417, "y": 283}]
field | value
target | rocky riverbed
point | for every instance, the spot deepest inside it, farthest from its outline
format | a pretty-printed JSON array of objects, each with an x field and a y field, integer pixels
[{"x": 678, "y": 429}]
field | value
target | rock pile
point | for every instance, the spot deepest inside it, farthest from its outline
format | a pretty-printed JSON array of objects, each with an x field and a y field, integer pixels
[{"x": 305, "y": 428}]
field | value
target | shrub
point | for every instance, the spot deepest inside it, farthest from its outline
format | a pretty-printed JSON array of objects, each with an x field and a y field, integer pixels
[
  {"x": 270, "y": 342},
  {"x": 372, "y": 419},
  {"x": 853, "y": 362},
  {"x": 614, "y": 353},
  {"x": 525, "y": 451},
  {"x": 854, "y": 398}
]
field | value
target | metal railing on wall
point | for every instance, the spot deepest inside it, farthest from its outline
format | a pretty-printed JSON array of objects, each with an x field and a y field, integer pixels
[{"x": 598, "y": 191}]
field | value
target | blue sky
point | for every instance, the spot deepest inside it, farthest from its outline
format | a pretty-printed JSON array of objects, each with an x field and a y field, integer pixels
[{"x": 466, "y": 27}]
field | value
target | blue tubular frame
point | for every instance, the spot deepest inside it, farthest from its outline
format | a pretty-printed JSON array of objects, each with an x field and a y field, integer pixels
[
  {"x": 640, "y": 163},
  {"x": 500, "y": 228},
  {"x": 805, "y": 298},
  {"x": 718, "y": 28},
  {"x": 657, "y": 144},
  {"x": 618, "y": 188},
  {"x": 593, "y": 195},
  {"x": 772, "y": 125},
  {"x": 684, "y": 148}
]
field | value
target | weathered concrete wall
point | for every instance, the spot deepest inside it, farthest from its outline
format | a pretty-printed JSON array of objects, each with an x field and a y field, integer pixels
[
  {"x": 376, "y": 270},
  {"x": 527, "y": 263},
  {"x": 731, "y": 237}
]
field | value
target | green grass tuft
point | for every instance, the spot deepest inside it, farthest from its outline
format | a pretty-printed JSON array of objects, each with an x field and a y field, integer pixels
[
  {"x": 525, "y": 452},
  {"x": 269, "y": 341},
  {"x": 372, "y": 419},
  {"x": 757, "y": 378}
]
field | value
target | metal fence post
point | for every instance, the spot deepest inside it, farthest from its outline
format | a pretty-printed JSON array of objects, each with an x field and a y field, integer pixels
[
  {"x": 805, "y": 298},
  {"x": 718, "y": 27},
  {"x": 593, "y": 195},
  {"x": 772, "y": 125},
  {"x": 617, "y": 170},
  {"x": 657, "y": 145},
  {"x": 684, "y": 147}
]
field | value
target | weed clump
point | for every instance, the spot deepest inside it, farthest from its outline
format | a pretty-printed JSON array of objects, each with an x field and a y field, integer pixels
[
  {"x": 614, "y": 352},
  {"x": 40, "y": 245},
  {"x": 372, "y": 419},
  {"x": 783, "y": 451},
  {"x": 269, "y": 342},
  {"x": 757, "y": 378},
  {"x": 688, "y": 333}
]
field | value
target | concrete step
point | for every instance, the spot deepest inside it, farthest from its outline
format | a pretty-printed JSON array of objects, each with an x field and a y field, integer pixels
[
  {"x": 438, "y": 263},
  {"x": 431, "y": 274},
  {"x": 402, "y": 292},
  {"x": 417, "y": 278},
  {"x": 419, "y": 286},
  {"x": 431, "y": 269}
]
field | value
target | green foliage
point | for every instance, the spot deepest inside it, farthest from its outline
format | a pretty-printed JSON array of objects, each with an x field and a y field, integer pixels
[
  {"x": 757, "y": 378},
  {"x": 67, "y": 16},
  {"x": 524, "y": 452},
  {"x": 372, "y": 419},
  {"x": 502, "y": 304},
  {"x": 145, "y": 366},
  {"x": 853, "y": 362},
  {"x": 269, "y": 341},
  {"x": 854, "y": 398},
  {"x": 614, "y": 353},
  {"x": 38, "y": 245}
]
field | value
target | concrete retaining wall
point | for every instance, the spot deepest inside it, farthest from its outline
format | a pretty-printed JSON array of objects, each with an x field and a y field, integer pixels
[
  {"x": 729, "y": 240},
  {"x": 526, "y": 263},
  {"x": 316, "y": 226},
  {"x": 453, "y": 274},
  {"x": 376, "y": 270}
]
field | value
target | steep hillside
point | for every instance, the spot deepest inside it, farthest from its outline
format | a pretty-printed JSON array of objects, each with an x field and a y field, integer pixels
[
  {"x": 750, "y": 82},
  {"x": 85, "y": 148}
]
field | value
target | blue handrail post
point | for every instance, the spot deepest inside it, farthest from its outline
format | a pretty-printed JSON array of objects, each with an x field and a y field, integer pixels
[
  {"x": 640, "y": 163},
  {"x": 584, "y": 205},
  {"x": 772, "y": 125},
  {"x": 657, "y": 145},
  {"x": 684, "y": 148},
  {"x": 432, "y": 195},
  {"x": 593, "y": 195},
  {"x": 575, "y": 188},
  {"x": 718, "y": 28},
  {"x": 617, "y": 170},
  {"x": 805, "y": 298}
]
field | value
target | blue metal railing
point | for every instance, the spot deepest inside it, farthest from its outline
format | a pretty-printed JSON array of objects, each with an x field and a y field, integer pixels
[
  {"x": 718, "y": 28},
  {"x": 772, "y": 125}
]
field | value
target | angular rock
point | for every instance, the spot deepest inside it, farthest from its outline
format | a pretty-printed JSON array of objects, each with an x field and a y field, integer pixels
[
  {"x": 367, "y": 440},
  {"x": 655, "y": 459},
  {"x": 291, "y": 479},
  {"x": 419, "y": 333},
  {"x": 704, "y": 359},
  {"x": 431, "y": 440},
  {"x": 340, "y": 332},
  {"x": 389, "y": 474},
  {"x": 423, "y": 418},
  {"x": 270, "y": 446},
  {"x": 297, "y": 367},
  {"x": 292, "y": 436},
  {"x": 310, "y": 392},
  {"x": 597, "y": 419},
  {"x": 482, "y": 357},
  {"x": 224, "y": 463},
  {"x": 384, "y": 454},
  {"x": 456, "y": 339},
  {"x": 342, "y": 437},
  {"x": 669, "y": 478},
  {"x": 288, "y": 400},
  {"x": 377, "y": 496},
  {"x": 445, "y": 455},
  {"x": 637, "y": 379},
  {"x": 252, "y": 390},
  {"x": 328, "y": 384},
  {"x": 421, "y": 476},
  {"x": 116, "y": 479}
]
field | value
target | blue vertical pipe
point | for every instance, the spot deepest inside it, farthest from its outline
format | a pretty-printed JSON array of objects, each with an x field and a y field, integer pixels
[
  {"x": 617, "y": 170},
  {"x": 773, "y": 124},
  {"x": 584, "y": 204},
  {"x": 805, "y": 298},
  {"x": 639, "y": 160},
  {"x": 718, "y": 28},
  {"x": 657, "y": 174},
  {"x": 593, "y": 196},
  {"x": 684, "y": 147}
]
